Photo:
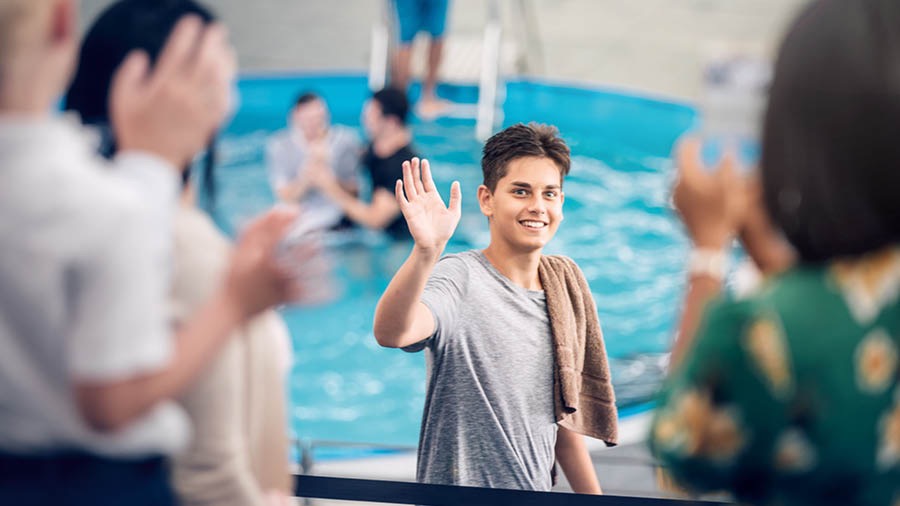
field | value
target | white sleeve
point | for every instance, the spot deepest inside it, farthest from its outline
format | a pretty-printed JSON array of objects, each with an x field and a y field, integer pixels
[{"x": 119, "y": 291}]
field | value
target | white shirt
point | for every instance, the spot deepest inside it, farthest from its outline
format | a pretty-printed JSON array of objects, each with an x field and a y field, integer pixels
[{"x": 84, "y": 277}]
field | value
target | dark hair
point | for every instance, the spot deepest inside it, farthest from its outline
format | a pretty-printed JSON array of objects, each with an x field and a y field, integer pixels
[
  {"x": 520, "y": 141},
  {"x": 305, "y": 98},
  {"x": 831, "y": 153},
  {"x": 124, "y": 26},
  {"x": 393, "y": 102}
]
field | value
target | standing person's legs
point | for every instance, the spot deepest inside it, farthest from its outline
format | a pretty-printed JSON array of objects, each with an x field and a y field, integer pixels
[
  {"x": 435, "y": 23},
  {"x": 409, "y": 19}
]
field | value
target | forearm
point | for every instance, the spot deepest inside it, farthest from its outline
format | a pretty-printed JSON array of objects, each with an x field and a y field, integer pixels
[
  {"x": 110, "y": 406},
  {"x": 700, "y": 290},
  {"x": 293, "y": 191},
  {"x": 573, "y": 458},
  {"x": 396, "y": 310}
]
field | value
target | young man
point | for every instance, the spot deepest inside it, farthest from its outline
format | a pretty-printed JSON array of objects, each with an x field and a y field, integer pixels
[
  {"x": 489, "y": 417},
  {"x": 87, "y": 355},
  {"x": 384, "y": 119},
  {"x": 311, "y": 142}
]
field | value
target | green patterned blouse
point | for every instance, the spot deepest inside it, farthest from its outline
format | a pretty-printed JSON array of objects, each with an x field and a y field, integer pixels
[{"x": 791, "y": 397}]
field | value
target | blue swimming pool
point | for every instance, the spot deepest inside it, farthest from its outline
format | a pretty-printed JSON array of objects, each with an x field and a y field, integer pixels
[{"x": 617, "y": 227}]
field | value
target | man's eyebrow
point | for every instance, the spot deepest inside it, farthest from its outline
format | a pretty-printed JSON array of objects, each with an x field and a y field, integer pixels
[{"x": 522, "y": 184}]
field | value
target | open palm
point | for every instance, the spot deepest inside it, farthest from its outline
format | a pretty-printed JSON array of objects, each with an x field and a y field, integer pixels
[{"x": 430, "y": 222}]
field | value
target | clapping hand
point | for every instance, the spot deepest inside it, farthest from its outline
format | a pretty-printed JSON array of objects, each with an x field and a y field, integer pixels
[
  {"x": 712, "y": 205},
  {"x": 431, "y": 223}
]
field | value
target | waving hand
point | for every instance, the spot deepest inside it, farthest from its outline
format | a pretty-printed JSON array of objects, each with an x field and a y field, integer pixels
[{"x": 430, "y": 222}]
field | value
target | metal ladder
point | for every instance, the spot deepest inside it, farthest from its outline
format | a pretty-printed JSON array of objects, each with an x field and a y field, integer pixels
[{"x": 489, "y": 97}]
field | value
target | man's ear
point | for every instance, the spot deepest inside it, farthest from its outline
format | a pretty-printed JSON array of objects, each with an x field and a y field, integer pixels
[
  {"x": 486, "y": 201},
  {"x": 64, "y": 22}
]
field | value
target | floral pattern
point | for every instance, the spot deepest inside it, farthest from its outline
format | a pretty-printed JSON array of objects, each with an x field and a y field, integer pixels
[
  {"x": 889, "y": 435},
  {"x": 794, "y": 453},
  {"x": 876, "y": 362},
  {"x": 788, "y": 388},
  {"x": 695, "y": 427},
  {"x": 766, "y": 345}
]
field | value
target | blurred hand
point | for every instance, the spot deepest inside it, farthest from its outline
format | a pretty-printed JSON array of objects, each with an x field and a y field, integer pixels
[
  {"x": 256, "y": 281},
  {"x": 319, "y": 174},
  {"x": 712, "y": 205},
  {"x": 430, "y": 222},
  {"x": 173, "y": 110}
]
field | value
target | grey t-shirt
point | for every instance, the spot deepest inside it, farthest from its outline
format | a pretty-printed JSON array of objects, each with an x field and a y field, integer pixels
[{"x": 488, "y": 418}]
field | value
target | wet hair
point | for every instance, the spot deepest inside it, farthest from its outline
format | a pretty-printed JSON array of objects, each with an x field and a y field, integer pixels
[
  {"x": 393, "y": 102},
  {"x": 124, "y": 26},
  {"x": 521, "y": 141},
  {"x": 305, "y": 98},
  {"x": 831, "y": 153}
]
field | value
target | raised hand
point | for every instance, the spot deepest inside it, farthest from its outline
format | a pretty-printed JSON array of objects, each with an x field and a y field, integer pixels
[
  {"x": 174, "y": 109},
  {"x": 256, "y": 279},
  {"x": 431, "y": 223},
  {"x": 712, "y": 205}
]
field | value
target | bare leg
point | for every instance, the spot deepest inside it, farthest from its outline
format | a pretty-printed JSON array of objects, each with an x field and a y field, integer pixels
[
  {"x": 429, "y": 105},
  {"x": 435, "y": 53},
  {"x": 400, "y": 69}
]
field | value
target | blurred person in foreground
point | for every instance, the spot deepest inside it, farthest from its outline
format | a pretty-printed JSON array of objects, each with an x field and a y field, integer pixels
[
  {"x": 518, "y": 367},
  {"x": 87, "y": 356},
  {"x": 384, "y": 119},
  {"x": 312, "y": 143},
  {"x": 238, "y": 453},
  {"x": 791, "y": 396},
  {"x": 414, "y": 17}
]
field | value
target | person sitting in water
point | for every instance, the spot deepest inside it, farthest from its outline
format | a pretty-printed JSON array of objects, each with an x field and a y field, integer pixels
[
  {"x": 503, "y": 403},
  {"x": 311, "y": 141},
  {"x": 384, "y": 119}
]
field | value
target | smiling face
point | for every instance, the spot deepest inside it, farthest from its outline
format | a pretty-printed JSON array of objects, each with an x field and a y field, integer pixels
[{"x": 525, "y": 209}]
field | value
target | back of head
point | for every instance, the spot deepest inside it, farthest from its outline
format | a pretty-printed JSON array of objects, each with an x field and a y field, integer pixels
[
  {"x": 393, "y": 102},
  {"x": 831, "y": 142},
  {"x": 124, "y": 26},
  {"x": 521, "y": 141}
]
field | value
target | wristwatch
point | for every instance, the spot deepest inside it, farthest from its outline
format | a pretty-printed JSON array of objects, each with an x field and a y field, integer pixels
[{"x": 707, "y": 262}]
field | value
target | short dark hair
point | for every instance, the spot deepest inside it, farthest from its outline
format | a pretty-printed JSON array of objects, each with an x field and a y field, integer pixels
[
  {"x": 831, "y": 153},
  {"x": 520, "y": 141},
  {"x": 124, "y": 26},
  {"x": 305, "y": 98},
  {"x": 393, "y": 102}
]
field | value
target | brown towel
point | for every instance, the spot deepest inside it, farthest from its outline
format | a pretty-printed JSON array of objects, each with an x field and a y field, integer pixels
[{"x": 584, "y": 397}]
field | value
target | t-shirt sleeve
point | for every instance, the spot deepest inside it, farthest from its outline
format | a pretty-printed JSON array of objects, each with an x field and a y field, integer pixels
[
  {"x": 119, "y": 292},
  {"x": 443, "y": 294},
  {"x": 713, "y": 404}
]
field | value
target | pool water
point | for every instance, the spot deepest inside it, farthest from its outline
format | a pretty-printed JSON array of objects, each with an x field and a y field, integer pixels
[{"x": 617, "y": 227}]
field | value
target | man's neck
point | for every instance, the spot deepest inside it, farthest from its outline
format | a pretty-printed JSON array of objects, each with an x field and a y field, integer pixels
[
  {"x": 390, "y": 141},
  {"x": 521, "y": 268},
  {"x": 29, "y": 88}
]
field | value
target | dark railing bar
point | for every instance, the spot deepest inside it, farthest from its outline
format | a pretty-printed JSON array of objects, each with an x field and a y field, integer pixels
[{"x": 394, "y": 492}]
